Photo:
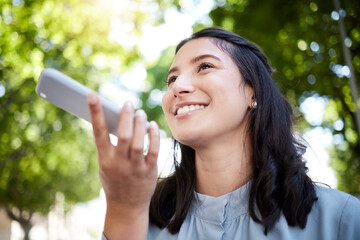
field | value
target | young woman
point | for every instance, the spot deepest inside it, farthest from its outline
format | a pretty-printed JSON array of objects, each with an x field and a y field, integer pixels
[{"x": 241, "y": 173}]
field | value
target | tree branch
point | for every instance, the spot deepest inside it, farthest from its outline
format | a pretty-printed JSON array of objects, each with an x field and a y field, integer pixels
[
  {"x": 10, "y": 213},
  {"x": 348, "y": 62}
]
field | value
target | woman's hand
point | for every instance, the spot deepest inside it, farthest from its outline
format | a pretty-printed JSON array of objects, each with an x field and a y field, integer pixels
[{"x": 127, "y": 175}]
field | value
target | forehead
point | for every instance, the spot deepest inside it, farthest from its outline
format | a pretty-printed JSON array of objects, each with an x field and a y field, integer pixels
[{"x": 197, "y": 47}]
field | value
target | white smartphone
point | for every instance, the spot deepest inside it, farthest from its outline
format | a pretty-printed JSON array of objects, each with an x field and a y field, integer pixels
[{"x": 70, "y": 95}]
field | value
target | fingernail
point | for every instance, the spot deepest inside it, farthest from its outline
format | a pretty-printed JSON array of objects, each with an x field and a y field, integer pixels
[
  {"x": 140, "y": 113},
  {"x": 153, "y": 125},
  {"x": 92, "y": 98},
  {"x": 127, "y": 104}
]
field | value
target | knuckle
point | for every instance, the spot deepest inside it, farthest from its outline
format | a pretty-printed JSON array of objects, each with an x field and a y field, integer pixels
[
  {"x": 104, "y": 167},
  {"x": 152, "y": 153},
  {"x": 155, "y": 135},
  {"x": 137, "y": 150},
  {"x": 124, "y": 139},
  {"x": 99, "y": 129},
  {"x": 95, "y": 110}
]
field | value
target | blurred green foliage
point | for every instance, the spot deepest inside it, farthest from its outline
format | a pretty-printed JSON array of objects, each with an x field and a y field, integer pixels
[
  {"x": 44, "y": 150},
  {"x": 302, "y": 41},
  {"x": 157, "y": 74}
]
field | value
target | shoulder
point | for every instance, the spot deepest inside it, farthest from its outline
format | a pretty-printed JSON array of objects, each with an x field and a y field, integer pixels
[
  {"x": 338, "y": 210},
  {"x": 332, "y": 198}
]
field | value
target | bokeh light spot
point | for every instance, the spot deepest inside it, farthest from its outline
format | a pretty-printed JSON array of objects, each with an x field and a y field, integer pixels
[
  {"x": 314, "y": 46},
  {"x": 338, "y": 125},
  {"x": 311, "y": 79},
  {"x": 313, "y": 7},
  {"x": 335, "y": 15},
  {"x": 348, "y": 42},
  {"x": 2, "y": 90},
  {"x": 302, "y": 45}
]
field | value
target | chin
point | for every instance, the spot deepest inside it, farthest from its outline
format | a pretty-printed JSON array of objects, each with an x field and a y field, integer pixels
[{"x": 190, "y": 139}]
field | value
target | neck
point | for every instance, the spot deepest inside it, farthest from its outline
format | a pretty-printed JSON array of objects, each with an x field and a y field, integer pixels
[{"x": 223, "y": 168}]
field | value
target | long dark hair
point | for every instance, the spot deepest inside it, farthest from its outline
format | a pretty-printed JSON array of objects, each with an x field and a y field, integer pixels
[{"x": 280, "y": 184}]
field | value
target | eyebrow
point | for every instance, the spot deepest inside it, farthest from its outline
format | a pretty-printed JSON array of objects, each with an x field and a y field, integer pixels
[
  {"x": 194, "y": 60},
  {"x": 198, "y": 58}
]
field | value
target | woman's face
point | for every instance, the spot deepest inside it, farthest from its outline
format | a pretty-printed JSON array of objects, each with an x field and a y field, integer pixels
[{"x": 206, "y": 100}]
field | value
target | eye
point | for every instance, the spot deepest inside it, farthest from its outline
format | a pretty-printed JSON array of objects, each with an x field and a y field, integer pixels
[
  {"x": 170, "y": 80},
  {"x": 204, "y": 66}
]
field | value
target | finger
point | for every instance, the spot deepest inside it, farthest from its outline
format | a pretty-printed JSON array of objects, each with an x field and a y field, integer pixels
[
  {"x": 154, "y": 146},
  {"x": 101, "y": 133},
  {"x": 137, "y": 144},
  {"x": 125, "y": 129}
]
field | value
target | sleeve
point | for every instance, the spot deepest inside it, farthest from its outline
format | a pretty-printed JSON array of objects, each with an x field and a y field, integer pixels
[{"x": 349, "y": 225}]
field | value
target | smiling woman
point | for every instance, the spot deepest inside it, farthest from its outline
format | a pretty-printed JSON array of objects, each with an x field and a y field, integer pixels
[
  {"x": 196, "y": 77},
  {"x": 242, "y": 174}
]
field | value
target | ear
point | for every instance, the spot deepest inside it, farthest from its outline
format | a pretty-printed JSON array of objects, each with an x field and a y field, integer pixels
[{"x": 250, "y": 95}]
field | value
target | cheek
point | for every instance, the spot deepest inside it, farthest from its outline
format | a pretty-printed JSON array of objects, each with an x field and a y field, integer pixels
[{"x": 165, "y": 103}]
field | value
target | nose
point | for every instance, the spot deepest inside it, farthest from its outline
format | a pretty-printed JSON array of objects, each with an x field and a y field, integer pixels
[{"x": 182, "y": 86}]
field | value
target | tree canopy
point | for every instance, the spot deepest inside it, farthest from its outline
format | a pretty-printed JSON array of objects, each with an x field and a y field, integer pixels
[{"x": 44, "y": 150}]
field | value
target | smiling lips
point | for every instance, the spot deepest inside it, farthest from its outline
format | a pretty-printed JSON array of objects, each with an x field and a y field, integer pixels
[{"x": 189, "y": 108}]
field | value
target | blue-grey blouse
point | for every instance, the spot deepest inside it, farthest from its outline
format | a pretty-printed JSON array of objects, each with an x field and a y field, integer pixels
[{"x": 336, "y": 215}]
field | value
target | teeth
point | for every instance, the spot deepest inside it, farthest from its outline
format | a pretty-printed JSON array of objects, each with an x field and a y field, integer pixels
[{"x": 189, "y": 108}]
